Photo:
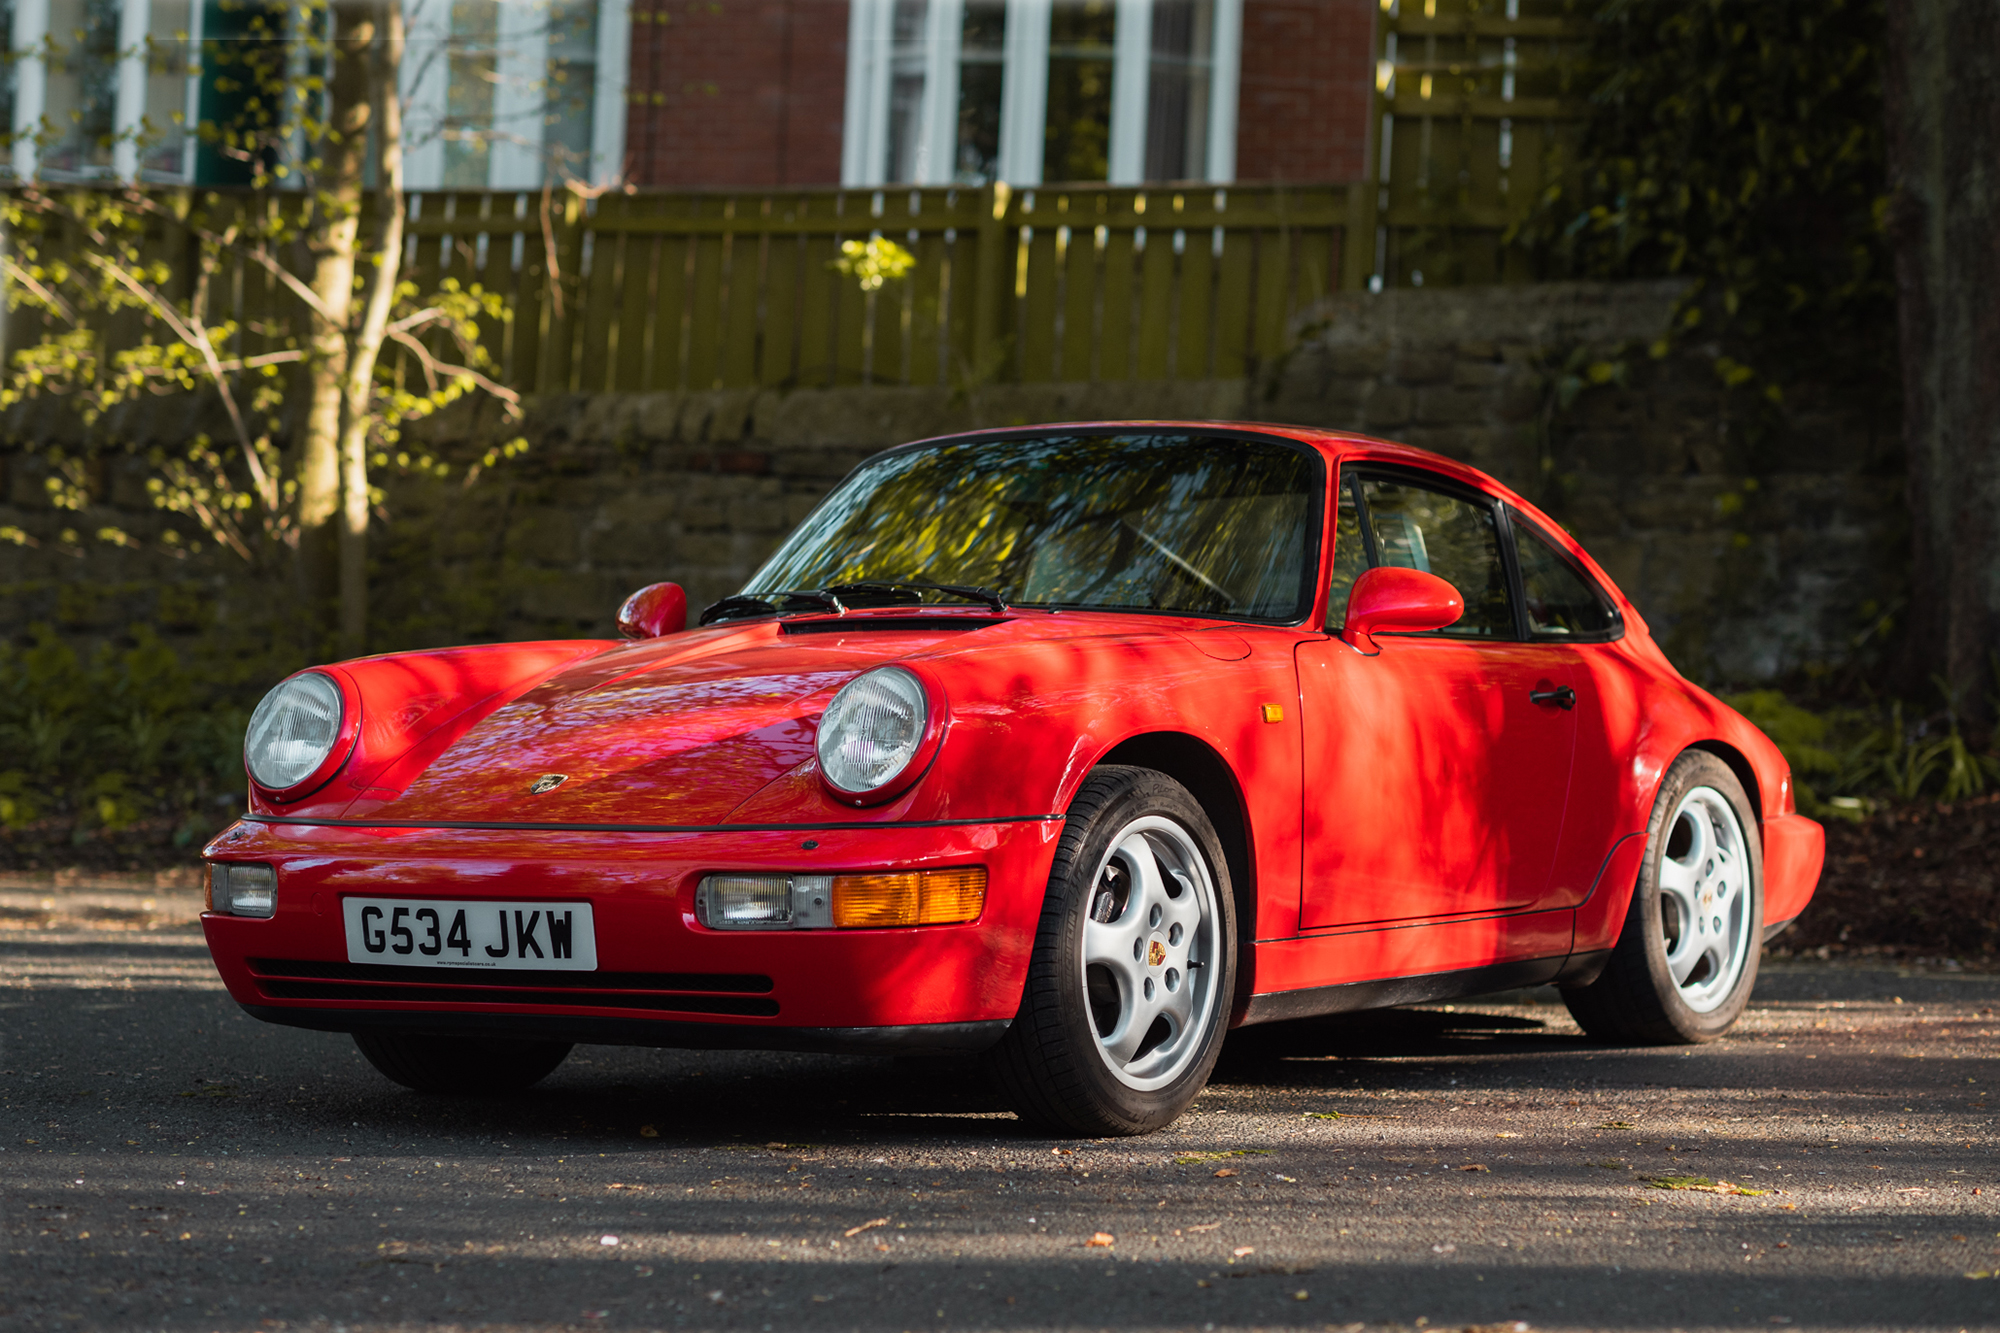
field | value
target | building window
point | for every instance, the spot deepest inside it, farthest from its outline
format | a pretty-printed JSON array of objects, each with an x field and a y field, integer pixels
[
  {"x": 514, "y": 94},
  {"x": 505, "y": 94},
  {"x": 1076, "y": 126},
  {"x": 162, "y": 148},
  {"x": 1182, "y": 71},
  {"x": 982, "y": 49},
  {"x": 969, "y": 91},
  {"x": 100, "y": 89}
]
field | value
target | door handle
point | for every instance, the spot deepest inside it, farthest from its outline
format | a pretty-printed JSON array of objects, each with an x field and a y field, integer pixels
[{"x": 1562, "y": 696}]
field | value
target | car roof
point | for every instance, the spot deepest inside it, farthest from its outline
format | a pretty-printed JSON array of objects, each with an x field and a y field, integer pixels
[{"x": 1336, "y": 445}]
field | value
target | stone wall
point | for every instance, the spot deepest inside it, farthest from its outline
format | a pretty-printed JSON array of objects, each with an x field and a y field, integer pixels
[{"x": 1753, "y": 555}]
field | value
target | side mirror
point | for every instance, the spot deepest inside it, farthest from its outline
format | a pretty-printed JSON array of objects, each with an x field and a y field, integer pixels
[
  {"x": 1391, "y": 601},
  {"x": 656, "y": 609}
]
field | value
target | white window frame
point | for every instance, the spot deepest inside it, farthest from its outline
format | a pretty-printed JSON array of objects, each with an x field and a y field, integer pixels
[
  {"x": 31, "y": 82},
  {"x": 1024, "y": 92}
]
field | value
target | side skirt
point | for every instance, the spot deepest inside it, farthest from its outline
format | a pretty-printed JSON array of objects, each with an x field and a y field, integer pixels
[
  {"x": 910, "y": 1039},
  {"x": 1562, "y": 970}
]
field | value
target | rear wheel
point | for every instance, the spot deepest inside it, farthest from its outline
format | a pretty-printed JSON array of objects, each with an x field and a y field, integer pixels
[
  {"x": 1686, "y": 960},
  {"x": 1134, "y": 964},
  {"x": 461, "y": 1065}
]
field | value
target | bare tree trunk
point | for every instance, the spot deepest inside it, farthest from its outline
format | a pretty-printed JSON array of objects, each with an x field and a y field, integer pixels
[
  {"x": 336, "y": 208},
  {"x": 1943, "y": 98},
  {"x": 356, "y": 392}
]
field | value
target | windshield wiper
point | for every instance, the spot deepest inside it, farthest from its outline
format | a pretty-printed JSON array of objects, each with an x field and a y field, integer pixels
[
  {"x": 966, "y": 591},
  {"x": 745, "y": 604}
]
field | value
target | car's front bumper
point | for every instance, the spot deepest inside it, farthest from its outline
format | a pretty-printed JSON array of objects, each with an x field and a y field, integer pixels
[{"x": 661, "y": 977}]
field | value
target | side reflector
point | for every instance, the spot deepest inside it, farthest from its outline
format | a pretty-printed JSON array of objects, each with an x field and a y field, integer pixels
[{"x": 908, "y": 898}]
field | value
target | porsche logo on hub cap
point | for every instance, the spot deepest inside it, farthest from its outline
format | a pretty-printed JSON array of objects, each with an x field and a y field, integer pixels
[
  {"x": 547, "y": 782},
  {"x": 1156, "y": 953}
]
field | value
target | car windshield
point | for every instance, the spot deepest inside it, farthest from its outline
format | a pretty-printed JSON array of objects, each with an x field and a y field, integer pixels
[{"x": 1149, "y": 520}]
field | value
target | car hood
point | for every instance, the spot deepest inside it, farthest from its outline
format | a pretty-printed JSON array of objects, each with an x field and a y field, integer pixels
[{"x": 677, "y": 731}]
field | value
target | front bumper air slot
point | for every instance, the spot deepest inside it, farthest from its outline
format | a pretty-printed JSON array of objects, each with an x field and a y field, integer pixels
[{"x": 742, "y": 994}]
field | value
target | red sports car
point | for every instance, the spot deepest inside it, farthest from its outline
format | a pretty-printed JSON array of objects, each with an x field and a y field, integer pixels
[{"x": 1073, "y": 746}]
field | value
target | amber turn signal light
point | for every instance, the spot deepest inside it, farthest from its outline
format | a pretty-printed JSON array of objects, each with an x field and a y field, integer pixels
[{"x": 908, "y": 898}]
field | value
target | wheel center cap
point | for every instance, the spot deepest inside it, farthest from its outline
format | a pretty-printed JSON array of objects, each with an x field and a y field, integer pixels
[{"x": 1156, "y": 953}]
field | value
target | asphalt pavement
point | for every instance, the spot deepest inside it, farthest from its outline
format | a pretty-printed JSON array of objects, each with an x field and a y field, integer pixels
[{"x": 167, "y": 1162}]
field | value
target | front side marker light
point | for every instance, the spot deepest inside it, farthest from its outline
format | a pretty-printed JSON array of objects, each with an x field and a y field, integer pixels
[
  {"x": 242, "y": 889},
  {"x": 848, "y": 902}
]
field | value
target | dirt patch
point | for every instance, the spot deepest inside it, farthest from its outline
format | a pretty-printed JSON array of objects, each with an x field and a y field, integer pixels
[{"x": 1913, "y": 881}]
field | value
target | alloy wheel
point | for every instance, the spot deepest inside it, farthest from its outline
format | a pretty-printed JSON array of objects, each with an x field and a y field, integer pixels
[
  {"x": 1704, "y": 899},
  {"x": 1150, "y": 941}
]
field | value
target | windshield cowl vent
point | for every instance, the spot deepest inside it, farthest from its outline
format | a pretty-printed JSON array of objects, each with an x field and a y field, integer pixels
[{"x": 890, "y": 624}]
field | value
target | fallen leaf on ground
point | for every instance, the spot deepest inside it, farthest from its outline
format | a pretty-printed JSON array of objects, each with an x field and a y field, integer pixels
[
  {"x": 1700, "y": 1184},
  {"x": 1197, "y": 1158},
  {"x": 1242, "y": 1250},
  {"x": 1476, "y": 1167},
  {"x": 1225, "y": 1171},
  {"x": 648, "y": 1132},
  {"x": 1205, "y": 1226},
  {"x": 615, "y": 1185},
  {"x": 1506, "y": 1134},
  {"x": 1101, "y": 1239},
  {"x": 1615, "y": 1124},
  {"x": 866, "y": 1226},
  {"x": 1301, "y": 1295}
]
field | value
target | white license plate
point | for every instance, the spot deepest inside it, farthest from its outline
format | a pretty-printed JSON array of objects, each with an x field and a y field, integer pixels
[{"x": 418, "y": 932}]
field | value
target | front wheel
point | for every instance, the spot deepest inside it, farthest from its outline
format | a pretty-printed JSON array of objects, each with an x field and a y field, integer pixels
[
  {"x": 1687, "y": 958},
  {"x": 461, "y": 1065},
  {"x": 1129, "y": 988}
]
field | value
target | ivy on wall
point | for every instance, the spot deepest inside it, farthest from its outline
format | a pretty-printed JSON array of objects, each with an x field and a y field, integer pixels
[{"x": 1738, "y": 143}]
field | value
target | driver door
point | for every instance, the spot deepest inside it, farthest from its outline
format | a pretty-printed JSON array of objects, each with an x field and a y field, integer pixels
[{"x": 1437, "y": 770}]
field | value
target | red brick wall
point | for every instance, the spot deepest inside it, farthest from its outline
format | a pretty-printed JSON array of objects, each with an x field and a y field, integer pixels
[
  {"x": 736, "y": 92},
  {"x": 1308, "y": 70}
]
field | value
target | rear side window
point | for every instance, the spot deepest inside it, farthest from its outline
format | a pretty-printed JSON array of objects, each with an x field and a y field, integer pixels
[{"x": 1561, "y": 602}]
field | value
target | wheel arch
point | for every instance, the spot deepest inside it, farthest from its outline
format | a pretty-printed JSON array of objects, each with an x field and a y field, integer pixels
[
  {"x": 1195, "y": 764},
  {"x": 1739, "y": 764}
]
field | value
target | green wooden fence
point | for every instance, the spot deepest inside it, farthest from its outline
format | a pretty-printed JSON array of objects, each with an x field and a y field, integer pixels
[{"x": 713, "y": 290}]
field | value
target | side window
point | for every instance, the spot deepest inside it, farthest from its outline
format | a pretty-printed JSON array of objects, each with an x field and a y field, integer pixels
[
  {"x": 1453, "y": 538},
  {"x": 1561, "y": 602},
  {"x": 1350, "y": 553}
]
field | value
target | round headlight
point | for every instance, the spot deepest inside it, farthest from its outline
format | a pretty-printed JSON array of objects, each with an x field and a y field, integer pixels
[
  {"x": 293, "y": 731},
  {"x": 872, "y": 730}
]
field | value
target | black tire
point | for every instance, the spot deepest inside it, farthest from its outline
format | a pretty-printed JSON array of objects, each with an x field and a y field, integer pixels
[
  {"x": 461, "y": 1066},
  {"x": 1056, "y": 1061},
  {"x": 1637, "y": 998}
]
